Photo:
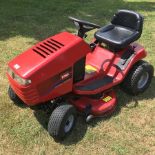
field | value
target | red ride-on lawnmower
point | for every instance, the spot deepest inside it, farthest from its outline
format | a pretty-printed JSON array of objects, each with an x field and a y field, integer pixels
[{"x": 79, "y": 77}]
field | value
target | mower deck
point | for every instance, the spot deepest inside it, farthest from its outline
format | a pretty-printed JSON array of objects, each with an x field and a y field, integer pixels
[{"x": 96, "y": 107}]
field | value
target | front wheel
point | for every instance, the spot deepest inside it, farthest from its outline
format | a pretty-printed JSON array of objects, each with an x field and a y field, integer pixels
[
  {"x": 13, "y": 96},
  {"x": 62, "y": 121},
  {"x": 139, "y": 78}
]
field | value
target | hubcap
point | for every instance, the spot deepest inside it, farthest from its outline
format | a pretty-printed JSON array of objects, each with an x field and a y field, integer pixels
[
  {"x": 143, "y": 80},
  {"x": 69, "y": 123}
]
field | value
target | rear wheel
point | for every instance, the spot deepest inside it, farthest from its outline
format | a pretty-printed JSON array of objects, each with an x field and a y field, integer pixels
[
  {"x": 138, "y": 79},
  {"x": 62, "y": 121},
  {"x": 13, "y": 96}
]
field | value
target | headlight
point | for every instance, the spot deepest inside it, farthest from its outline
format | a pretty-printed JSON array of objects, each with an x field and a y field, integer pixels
[{"x": 18, "y": 78}]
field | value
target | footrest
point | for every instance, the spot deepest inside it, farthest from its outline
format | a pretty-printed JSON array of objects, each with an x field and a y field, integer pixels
[{"x": 95, "y": 84}]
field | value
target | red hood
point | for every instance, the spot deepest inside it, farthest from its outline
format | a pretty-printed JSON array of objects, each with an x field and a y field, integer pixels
[{"x": 26, "y": 63}]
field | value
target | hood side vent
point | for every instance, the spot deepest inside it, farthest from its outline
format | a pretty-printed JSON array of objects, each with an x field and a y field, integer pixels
[
  {"x": 54, "y": 45},
  {"x": 42, "y": 50},
  {"x": 50, "y": 46},
  {"x": 58, "y": 43},
  {"x": 47, "y": 47},
  {"x": 42, "y": 55}
]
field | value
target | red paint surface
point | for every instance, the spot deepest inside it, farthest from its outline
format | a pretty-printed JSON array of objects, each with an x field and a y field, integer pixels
[
  {"x": 99, "y": 107},
  {"x": 41, "y": 70},
  {"x": 98, "y": 57}
]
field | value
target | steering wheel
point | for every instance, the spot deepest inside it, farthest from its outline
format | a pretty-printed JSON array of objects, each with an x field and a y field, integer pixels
[{"x": 83, "y": 26}]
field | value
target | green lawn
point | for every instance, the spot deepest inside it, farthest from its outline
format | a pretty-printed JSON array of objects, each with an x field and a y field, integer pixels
[{"x": 130, "y": 130}]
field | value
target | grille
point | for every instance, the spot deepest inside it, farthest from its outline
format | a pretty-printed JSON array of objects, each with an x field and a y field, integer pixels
[{"x": 47, "y": 47}]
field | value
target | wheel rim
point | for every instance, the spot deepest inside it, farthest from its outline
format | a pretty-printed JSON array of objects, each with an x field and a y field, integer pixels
[
  {"x": 143, "y": 80},
  {"x": 69, "y": 123}
]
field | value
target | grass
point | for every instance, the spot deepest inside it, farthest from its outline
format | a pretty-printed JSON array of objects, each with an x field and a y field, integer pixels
[{"x": 130, "y": 130}]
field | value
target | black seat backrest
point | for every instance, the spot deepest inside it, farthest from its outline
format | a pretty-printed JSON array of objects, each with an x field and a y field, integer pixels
[{"x": 129, "y": 19}]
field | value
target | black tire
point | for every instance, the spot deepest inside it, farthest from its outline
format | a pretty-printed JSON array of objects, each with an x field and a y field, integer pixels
[
  {"x": 13, "y": 96},
  {"x": 58, "y": 120},
  {"x": 131, "y": 83}
]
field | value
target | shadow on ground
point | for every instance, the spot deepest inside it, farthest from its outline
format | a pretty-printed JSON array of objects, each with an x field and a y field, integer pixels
[
  {"x": 40, "y": 19},
  {"x": 81, "y": 127}
]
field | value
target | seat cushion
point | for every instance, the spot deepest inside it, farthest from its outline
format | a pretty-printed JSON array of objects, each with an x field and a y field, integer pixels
[
  {"x": 116, "y": 36},
  {"x": 129, "y": 19}
]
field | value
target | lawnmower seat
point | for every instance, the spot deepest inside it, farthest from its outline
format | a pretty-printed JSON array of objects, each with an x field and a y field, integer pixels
[{"x": 126, "y": 27}]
